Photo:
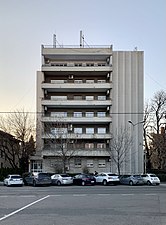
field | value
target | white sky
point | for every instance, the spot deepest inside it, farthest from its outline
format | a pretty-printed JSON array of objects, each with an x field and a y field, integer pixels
[{"x": 25, "y": 25}]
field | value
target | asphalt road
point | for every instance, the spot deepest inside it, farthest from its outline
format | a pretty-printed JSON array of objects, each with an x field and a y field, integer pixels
[{"x": 77, "y": 205}]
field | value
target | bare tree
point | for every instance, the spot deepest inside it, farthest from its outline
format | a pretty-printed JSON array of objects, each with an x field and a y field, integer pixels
[
  {"x": 21, "y": 125},
  {"x": 120, "y": 145},
  {"x": 154, "y": 140},
  {"x": 62, "y": 142}
]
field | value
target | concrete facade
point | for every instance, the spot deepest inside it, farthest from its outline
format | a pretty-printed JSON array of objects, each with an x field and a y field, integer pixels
[{"x": 91, "y": 93}]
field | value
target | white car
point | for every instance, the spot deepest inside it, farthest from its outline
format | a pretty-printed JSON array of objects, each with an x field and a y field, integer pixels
[
  {"x": 107, "y": 178},
  {"x": 61, "y": 179},
  {"x": 150, "y": 179},
  {"x": 13, "y": 179}
]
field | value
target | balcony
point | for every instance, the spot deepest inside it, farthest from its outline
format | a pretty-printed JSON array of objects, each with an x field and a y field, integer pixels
[
  {"x": 76, "y": 87},
  {"x": 77, "y": 120},
  {"x": 79, "y": 152},
  {"x": 76, "y": 103},
  {"x": 77, "y": 136}
]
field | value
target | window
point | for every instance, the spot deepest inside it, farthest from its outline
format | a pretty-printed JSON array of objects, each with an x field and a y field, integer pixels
[
  {"x": 89, "y": 81},
  {"x": 90, "y": 97},
  {"x": 89, "y": 114},
  {"x": 89, "y": 145},
  {"x": 58, "y": 114},
  {"x": 101, "y": 81},
  {"x": 77, "y": 97},
  {"x": 101, "y": 145},
  {"x": 58, "y": 81},
  {"x": 36, "y": 166},
  {"x": 101, "y": 97},
  {"x": 78, "y": 130},
  {"x": 77, "y": 162},
  {"x": 77, "y": 114},
  {"x": 101, "y": 130},
  {"x": 102, "y": 163},
  {"x": 89, "y": 163},
  {"x": 59, "y": 131},
  {"x": 89, "y": 130},
  {"x": 101, "y": 114},
  {"x": 58, "y": 97},
  {"x": 77, "y": 81}
]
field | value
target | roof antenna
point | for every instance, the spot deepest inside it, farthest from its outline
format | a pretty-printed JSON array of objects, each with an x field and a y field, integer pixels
[
  {"x": 81, "y": 39},
  {"x": 54, "y": 40}
]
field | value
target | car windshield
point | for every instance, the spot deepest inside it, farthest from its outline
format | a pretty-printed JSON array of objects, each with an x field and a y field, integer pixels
[
  {"x": 65, "y": 175},
  {"x": 16, "y": 177},
  {"x": 112, "y": 174},
  {"x": 153, "y": 175},
  {"x": 43, "y": 175}
]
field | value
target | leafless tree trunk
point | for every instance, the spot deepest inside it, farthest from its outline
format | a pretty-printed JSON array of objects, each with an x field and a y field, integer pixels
[{"x": 120, "y": 145}]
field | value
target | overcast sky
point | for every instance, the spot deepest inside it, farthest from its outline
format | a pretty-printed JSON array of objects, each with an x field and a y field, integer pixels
[{"x": 126, "y": 24}]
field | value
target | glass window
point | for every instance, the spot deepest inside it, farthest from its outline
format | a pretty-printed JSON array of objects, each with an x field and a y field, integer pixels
[
  {"x": 101, "y": 130},
  {"x": 90, "y": 97},
  {"x": 89, "y": 81},
  {"x": 101, "y": 114},
  {"x": 102, "y": 163},
  {"x": 77, "y": 81},
  {"x": 101, "y": 145},
  {"x": 101, "y": 81},
  {"x": 77, "y": 97},
  {"x": 101, "y": 97},
  {"x": 89, "y": 130},
  {"x": 89, "y": 162},
  {"x": 78, "y": 130},
  {"x": 77, "y": 162},
  {"x": 58, "y": 97},
  {"x": 77, "y": 114},
  {"x": 58, "y": 130},
  {"x": 89, "y": 145},
  {"x": 89, "y": 114},
  {"x": 58, "y": 114}
]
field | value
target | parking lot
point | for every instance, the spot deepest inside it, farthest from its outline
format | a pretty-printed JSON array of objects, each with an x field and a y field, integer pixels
[{"x": 73, "y": 205}]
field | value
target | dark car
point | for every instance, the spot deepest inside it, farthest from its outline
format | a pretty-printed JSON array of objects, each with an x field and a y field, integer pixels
[
  {"x": 84, "y": 179},
  {"x": 37, "y": 179},
  {"x": 131, "y": 180}
]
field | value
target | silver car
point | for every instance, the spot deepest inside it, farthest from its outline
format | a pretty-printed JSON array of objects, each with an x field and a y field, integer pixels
[
  {"x": 61, "y": 179},
  {"x": 131, "y": 180},
  {"x": 13, "y": 180},
  {"x": 150, "y": 179}
]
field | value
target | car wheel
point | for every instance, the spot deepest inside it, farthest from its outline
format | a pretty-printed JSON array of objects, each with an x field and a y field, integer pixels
[
  {"x": 131, "y": 183},
  {"x": 59, "y": 183},
  {"x": 83, "y": 183},
  {"x": 104, "y": 182},
  {"x": 149, "y": 183}
]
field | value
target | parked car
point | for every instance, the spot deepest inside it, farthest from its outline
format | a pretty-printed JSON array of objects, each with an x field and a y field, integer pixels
[
  {"x": 84, "y": 179},
  {"x": 150, "y": 179},
  {"x": 61, "y": 179},
  {"x": 107, "y": 178},
  {"x": 131, "y": 180},
  {"x": 13, "y": 180},
  {"x": 37, "y": 179}
]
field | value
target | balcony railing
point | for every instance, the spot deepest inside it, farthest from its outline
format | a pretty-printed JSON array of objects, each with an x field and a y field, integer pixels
[{"x": 77, "y": 46}]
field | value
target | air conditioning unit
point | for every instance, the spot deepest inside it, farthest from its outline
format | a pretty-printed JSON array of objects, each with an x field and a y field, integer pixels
[
  {"x": 70, "y": 127},
  {"x": 108, "y": 141},
  {"x": 108, "y": 91},
  {"x": 71, "y": 141},
  {"x": 108, "y": 75},
  {"x": 45, "y": 92},
  {"x": 45, "y": 108},
  {"x": 108, "y": 108},
  {"x": 71, "y": 76},
  {"x": 108, "y": 60}
]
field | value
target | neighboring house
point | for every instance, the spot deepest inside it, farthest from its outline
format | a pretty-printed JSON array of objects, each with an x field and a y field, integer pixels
[
  {"x": 87, "y": 93},
  {"x": 9, "y": 151}
]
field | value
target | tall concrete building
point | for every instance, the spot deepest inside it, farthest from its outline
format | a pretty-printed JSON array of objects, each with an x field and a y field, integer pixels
[{"x": 86, "y": 95}]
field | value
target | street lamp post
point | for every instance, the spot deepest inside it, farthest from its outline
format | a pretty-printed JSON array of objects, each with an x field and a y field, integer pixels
[{"x": 133, "y": 125}]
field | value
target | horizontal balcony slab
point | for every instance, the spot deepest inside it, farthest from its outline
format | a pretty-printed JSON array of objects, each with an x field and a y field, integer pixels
[
  {"x": 76, "y": 68},
  {"x": 77, "y": 136},
  {"x": 76, "y": 153},
  {"x": 77, "y": 120},
  {"x": 72, "y": 87},
  {"x": 76, "y": 103}
]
